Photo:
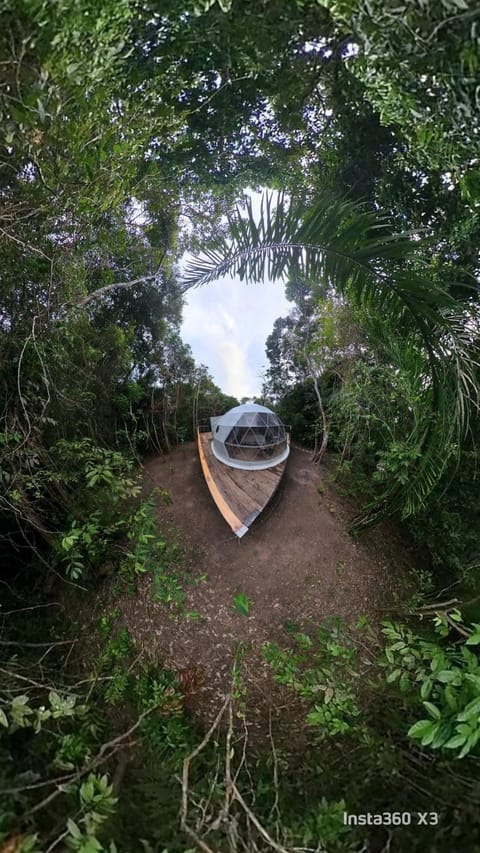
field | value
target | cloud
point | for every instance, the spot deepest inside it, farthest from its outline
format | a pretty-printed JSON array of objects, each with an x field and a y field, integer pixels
[
  {"x": 226, "y": 324},
  {"x": 238, "y": 380}
]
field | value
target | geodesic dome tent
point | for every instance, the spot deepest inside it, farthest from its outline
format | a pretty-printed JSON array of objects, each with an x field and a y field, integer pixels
[{"x": 249, "y": 437}]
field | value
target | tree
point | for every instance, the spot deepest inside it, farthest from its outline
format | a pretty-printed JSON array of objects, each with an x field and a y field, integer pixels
[
  {"x": 286, "y": 369},
  {"x": 304, "y": 348},
  {"x": 419, "y": 65}
]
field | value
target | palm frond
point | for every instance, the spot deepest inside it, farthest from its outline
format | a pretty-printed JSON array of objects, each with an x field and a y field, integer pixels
[{"x": 337, "y": 243}]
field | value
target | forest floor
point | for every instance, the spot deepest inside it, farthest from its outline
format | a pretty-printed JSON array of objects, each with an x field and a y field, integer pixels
[{"x": 298, "y": 565}]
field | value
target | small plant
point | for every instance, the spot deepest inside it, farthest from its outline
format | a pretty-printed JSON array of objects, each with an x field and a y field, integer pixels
[
  {"x": 424, "y": 586},
  {"x": 242, "y": 604},
  {"x": 167, "y": 589},
  {"x": 82, "y": 545},
  {"x": 21, "y": 714},
  {"x": 148, "y": 551},
  {"x": 291, "y": 627},
  {"x": 340, "y": 568},
  {"x": 164, "y": 496},
  {"x": 323, "y": 671},
  {"x": 141, "y": 536},
  {"x": 114, "y": 660},
  {"x": 106, "y": 622},
  {"x": 97, "y": 803},
  {"x": 104, "y": 486}
]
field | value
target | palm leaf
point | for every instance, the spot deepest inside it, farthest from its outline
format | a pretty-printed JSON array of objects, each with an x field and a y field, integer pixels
[{"x": 337, "y": 243}]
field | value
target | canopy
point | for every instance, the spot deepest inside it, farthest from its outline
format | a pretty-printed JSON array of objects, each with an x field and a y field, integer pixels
[{"x": 249, "y": 437}]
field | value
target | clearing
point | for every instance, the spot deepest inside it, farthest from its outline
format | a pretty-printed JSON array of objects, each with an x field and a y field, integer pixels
[{"x": 297, "y": 565}]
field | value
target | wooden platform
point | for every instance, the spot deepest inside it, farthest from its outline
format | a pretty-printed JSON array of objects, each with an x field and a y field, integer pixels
[{"x": 239, "y": 495}]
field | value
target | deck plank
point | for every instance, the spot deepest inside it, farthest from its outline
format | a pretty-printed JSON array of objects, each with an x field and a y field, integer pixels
[{"x": 240, "y": 495}]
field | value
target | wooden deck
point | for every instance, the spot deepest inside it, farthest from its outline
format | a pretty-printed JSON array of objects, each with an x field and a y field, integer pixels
[{"x": 239, "y": 495}]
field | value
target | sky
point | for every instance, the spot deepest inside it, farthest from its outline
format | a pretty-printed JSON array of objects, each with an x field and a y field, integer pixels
[{"x": 227, "y": 323}]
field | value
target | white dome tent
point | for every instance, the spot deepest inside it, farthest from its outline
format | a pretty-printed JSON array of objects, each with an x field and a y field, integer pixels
[{"x": 249, "y": 437}]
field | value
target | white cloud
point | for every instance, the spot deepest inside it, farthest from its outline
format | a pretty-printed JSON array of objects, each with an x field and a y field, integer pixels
[
  {"x": 226, "y": 324},
  {"x": 236, "y": 370}
]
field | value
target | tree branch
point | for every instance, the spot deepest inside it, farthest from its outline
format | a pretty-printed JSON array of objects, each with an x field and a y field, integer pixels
[
  {"x": 117, "y": 285},
  {"x": 106, "y": 751}
]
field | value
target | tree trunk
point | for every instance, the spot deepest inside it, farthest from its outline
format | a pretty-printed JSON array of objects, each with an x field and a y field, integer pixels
[{"x": 319, "y": 453}]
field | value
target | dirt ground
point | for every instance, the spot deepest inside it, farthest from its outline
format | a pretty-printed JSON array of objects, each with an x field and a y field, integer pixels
[{"x": 297, "y": 563}]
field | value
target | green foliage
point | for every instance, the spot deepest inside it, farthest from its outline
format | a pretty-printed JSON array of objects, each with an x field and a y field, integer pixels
[
  {"x": 299, "y": 410},
  {"x": 322, "y": 671},
  {"x": 372, "y": 412},
  {"x": 443, "y": 677},
  {"x": 130, "y": 540},
  {"x": 167, "y": 586},
  {"x": 423, "y": 586},
  {"x": 450, "y": 523},
  {"x": 103, "y": 487},
  {"x": 97, "y": 804},
  {"x": 142, "y": 539},
  {"x": 81, "y": 543},
  {"x": 20, "y": 714},
  {"x": 419, "y": 64},
  {"x": 64, "y": 736},
  {"x": 242, "y": 604},
  {"x": 163, "y": 557},
  {"x": 65, "y": 731},
  {"x": 324, "y": 824}
]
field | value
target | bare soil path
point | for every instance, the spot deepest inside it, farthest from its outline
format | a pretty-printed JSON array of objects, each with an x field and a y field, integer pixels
[{"x": 297, "y": 563}]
